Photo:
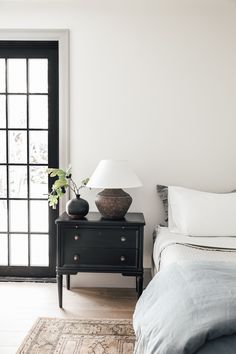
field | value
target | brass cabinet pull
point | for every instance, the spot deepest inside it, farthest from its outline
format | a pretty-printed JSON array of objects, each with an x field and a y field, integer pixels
[
  {"x": 76, "y": 237},
  {"x": 123, "y": 238},
  {"x": 76, "y": 257},
  {"x": 122, "y": 258}
]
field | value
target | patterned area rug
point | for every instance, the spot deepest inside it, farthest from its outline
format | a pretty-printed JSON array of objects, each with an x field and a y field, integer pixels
[{"x": 75, "y": 336}]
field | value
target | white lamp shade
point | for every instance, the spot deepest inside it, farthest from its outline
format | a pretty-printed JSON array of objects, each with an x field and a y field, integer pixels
[{"x": 114, "y": 174}]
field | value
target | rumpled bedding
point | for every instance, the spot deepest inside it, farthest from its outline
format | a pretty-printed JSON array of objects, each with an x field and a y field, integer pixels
[
  {"x": 164, "y": 238},
  {"x": 188, "y": 308}
]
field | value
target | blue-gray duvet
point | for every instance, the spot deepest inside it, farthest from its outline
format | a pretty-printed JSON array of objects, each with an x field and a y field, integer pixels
[{"x": 187, "y": 308}]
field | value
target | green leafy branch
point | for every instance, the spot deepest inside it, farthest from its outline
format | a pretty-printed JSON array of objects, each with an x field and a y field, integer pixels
[{"x": 63, "y": 182}]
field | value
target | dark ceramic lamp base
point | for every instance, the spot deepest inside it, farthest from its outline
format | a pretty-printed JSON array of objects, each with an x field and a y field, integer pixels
[{"x": 113, "y": 203}]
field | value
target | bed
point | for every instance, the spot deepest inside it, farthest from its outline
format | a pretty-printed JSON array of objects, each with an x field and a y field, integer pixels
[
  {"x": 171, "y": 248},
  {"x": 190, "y": 304}
]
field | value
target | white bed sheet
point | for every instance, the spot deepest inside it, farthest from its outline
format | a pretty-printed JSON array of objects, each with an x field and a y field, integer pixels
[{"x": 171, "y": 248}]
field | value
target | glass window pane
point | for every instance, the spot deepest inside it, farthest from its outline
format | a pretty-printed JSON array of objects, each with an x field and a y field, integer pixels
[
  {"x": 2, "y": 111},
  {"x": 38, "y": 182},
  {"x": 39, "y": 216},
  {"x": 3, "y": 182},
  {"x": 16, "y": 69},
  {"x": 38, "y": 75},
  {"x": 39, "y": 250},
  {"x": 17, "y": 146},
  {"x": 18, "y": 215},
  {"x": 3, "y": 215},
  {"x": 2, "y": 76},
  {"x": 38, "y": 147},
  {"x": 18, "y": 181},
  {"x": 18, "y": 250},
  {"x": 2, "y": 146},
  {"x": 17, "y": 111},
  {"x": 38, "y": 111},
  {"x": 3, "y": 250}
]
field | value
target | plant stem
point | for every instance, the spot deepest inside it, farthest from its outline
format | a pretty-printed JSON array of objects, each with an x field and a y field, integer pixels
[{"x": 74, "y": 186}]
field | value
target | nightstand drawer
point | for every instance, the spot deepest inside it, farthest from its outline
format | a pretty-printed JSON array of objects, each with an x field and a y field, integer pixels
[
  {"x": 93, "y": 257},
  {"x": 90, "y": 237}
]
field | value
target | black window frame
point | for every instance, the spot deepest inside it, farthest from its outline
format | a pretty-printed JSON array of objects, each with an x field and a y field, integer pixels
[{"x": 28, "y": 50}]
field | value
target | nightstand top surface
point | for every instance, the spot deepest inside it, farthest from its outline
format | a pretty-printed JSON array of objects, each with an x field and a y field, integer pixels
[{"x": 95, "y": 217}]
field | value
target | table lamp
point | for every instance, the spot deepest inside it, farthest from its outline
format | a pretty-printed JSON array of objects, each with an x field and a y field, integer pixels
[{"x": 113, "y": 175}]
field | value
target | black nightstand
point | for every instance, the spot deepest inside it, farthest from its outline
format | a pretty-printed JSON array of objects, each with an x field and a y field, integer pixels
[{"x": 97, "y": 245}]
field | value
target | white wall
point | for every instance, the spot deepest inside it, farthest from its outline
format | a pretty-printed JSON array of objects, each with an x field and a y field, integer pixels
[{"x": 153, "y": 82}]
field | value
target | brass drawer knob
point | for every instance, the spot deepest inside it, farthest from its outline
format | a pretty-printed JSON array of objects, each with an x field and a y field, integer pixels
[
  {"x": 76, "y": 237},
  {"x": 122, "y": 258},
  {"x": 123, "y": 238},
  {"x": 76, "y": 257}
]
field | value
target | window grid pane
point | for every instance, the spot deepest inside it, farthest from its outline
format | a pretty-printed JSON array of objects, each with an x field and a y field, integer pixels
[
  {"x": 3, "y": 213},
  {"x": 17, "y": 146},
  {"x": 38, "y": 75},
  {"x": 18, "y": 218},
  {"x": 38, "y": 111},
  {"x": 17, "y": 111},
  {"x": 3, "y": 182},
  {"x": 16, "y": 75},
  {"x": 17, "y": 176},
  {"x": 38, "y": 216},
  {"x": 18, "y": 249},
  {"x": 3, "y": 154},
  {"x": 38, "y": 180},
  {"x": 38, "y": 146},
  {"x": 3, "y": 249},
  {"x": 2, "y": 111},
  {"x": 39, "y": 250},
  {"x": 2, "y": 76}
]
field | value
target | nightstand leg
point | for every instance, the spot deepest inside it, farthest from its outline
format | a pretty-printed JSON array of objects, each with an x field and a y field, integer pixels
[
  {"x": 59, "y": 287},
  {"x": 139, "y": 280},
  {"x": 68, "y": 281}
]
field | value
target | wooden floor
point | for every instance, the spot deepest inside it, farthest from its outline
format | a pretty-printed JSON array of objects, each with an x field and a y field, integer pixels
[{"x": 22, "y": 303}]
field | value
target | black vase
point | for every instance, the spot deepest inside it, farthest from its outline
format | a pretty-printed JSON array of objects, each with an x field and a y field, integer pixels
[{"x": 77, "y": 207}]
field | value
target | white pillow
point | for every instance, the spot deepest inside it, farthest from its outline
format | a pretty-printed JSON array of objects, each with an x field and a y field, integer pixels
[{"x": 196, "y": 213}]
